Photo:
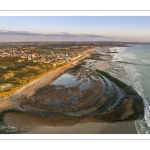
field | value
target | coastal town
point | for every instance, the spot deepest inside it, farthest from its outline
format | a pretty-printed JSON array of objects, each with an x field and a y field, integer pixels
[
  {"x": 19, "y": 65},
  {"x": 73, "y": 74},
  {"x": 45, "y": 81},
  {"x": 53, "y": 58}
]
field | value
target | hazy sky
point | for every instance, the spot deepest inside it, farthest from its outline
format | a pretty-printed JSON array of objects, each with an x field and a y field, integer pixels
[{"x": 75, "y": 28}]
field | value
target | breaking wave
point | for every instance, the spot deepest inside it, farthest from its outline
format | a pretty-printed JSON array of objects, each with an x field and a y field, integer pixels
[
  {"x": 142, "y": 64},
  {"x": 143, "y": 123},
  {"x": 138, "y": 74}
]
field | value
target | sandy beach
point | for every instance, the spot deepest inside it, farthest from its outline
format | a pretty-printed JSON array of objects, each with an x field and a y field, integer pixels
[
  {"x": 70, "y": 126},
  {"x": 105, "y": 63},
  {"x": 29, "y": 89},
  {"x": 51, "y": 125},
  {"x": 89, "y": 128}
]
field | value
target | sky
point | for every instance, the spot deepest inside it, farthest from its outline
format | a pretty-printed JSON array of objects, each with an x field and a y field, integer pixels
[{"x": 75, "y": 28}]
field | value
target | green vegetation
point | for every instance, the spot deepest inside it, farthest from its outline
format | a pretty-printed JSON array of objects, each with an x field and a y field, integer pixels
[
  {"x": 128, "y": 89},
  {"x": 2, "y": 113},
  {"x": 131, "y": 91},
  {"x": 77, "y": 67},
  {"x": 138, "y": 108},
  {"x": 14, "y": 74},
  {"x": 119, "y": 83},
  {"x": 96, "y": 57}
]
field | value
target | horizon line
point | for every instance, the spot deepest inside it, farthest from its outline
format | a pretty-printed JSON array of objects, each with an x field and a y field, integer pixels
[
  {"x": 74, "y": 10},
  {"x": 71, "y": 41}
]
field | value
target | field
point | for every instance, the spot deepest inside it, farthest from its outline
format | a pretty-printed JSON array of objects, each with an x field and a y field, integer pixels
[{"x": 14, "y": 75}]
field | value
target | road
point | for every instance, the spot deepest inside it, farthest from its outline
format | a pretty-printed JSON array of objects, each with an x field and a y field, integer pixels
[{"x": 30, "y": 88}]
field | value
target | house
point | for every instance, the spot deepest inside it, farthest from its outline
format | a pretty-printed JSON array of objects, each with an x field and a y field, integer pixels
[
  {"x": 23, "y": 56},
  {"x": 46, "y": 61},
  {"x": 35, "y": 60},
  {"x": 21, "y": 60},
  {"x": 54, "y": 64}
]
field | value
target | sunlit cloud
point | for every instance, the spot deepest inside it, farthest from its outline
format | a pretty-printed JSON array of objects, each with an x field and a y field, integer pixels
[{"x": 62, "y": 36}]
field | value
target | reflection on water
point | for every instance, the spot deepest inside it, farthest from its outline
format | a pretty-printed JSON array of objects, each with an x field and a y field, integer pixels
[
  {"x": 74, "y": 84},
  {"x": 80, "y": 95},
  {"x": 75, "y": 89},
  {"x": 67, "y": 80}
]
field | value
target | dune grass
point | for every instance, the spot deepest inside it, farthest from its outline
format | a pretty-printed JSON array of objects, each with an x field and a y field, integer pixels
[{"x": 18, "y": 74}]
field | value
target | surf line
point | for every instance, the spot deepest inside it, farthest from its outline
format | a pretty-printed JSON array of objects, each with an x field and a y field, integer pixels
[{"x": 131, "y": 63}]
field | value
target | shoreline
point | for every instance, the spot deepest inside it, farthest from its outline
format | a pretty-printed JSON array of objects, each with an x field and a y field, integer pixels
[
  {"x": 116, "y": 127},
  {"x": 29, "y": 89},
  {"x": 104, "y": 128},
  {"x": 123, "y": 78}
]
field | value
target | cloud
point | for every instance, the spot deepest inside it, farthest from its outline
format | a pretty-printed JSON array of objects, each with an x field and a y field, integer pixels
[
  {"x": 4, "y": 32},
  {"x": 32, "y": 36}
]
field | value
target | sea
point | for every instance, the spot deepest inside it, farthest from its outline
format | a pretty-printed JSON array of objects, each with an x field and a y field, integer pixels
[{"x": 136, "y": 62}]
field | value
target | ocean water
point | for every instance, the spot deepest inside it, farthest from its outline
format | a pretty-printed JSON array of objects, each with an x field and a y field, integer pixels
[{"x": 136, "y": 62}]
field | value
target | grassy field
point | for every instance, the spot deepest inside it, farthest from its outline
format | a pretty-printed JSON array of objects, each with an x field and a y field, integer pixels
[{"x": 14, "y": 75}]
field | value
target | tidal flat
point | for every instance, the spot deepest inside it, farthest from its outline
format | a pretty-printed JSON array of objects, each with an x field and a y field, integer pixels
[{"x": 85, "y": 96}]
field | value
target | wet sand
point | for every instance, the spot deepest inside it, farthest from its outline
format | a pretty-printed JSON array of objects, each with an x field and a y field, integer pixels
[
  {"x": 80, "y": 128},
  {"x": 29, "y": 124},
  {"x": 105, "y": 63},
  {"x": 89, "y": 128},
  {"x": 5, "y": 103},
  {"x": 30, "y": 88}
]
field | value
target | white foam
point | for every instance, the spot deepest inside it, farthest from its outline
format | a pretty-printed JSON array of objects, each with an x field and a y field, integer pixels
[
  {"x": 146, "y": 61},
  {"x": 139, "y": 89},
  {"x": 144, "y": 124},
  {"x": 140, "y": 125},
  {"x": 114, "y": 49},
  {"x": 137, "y": 86}
]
